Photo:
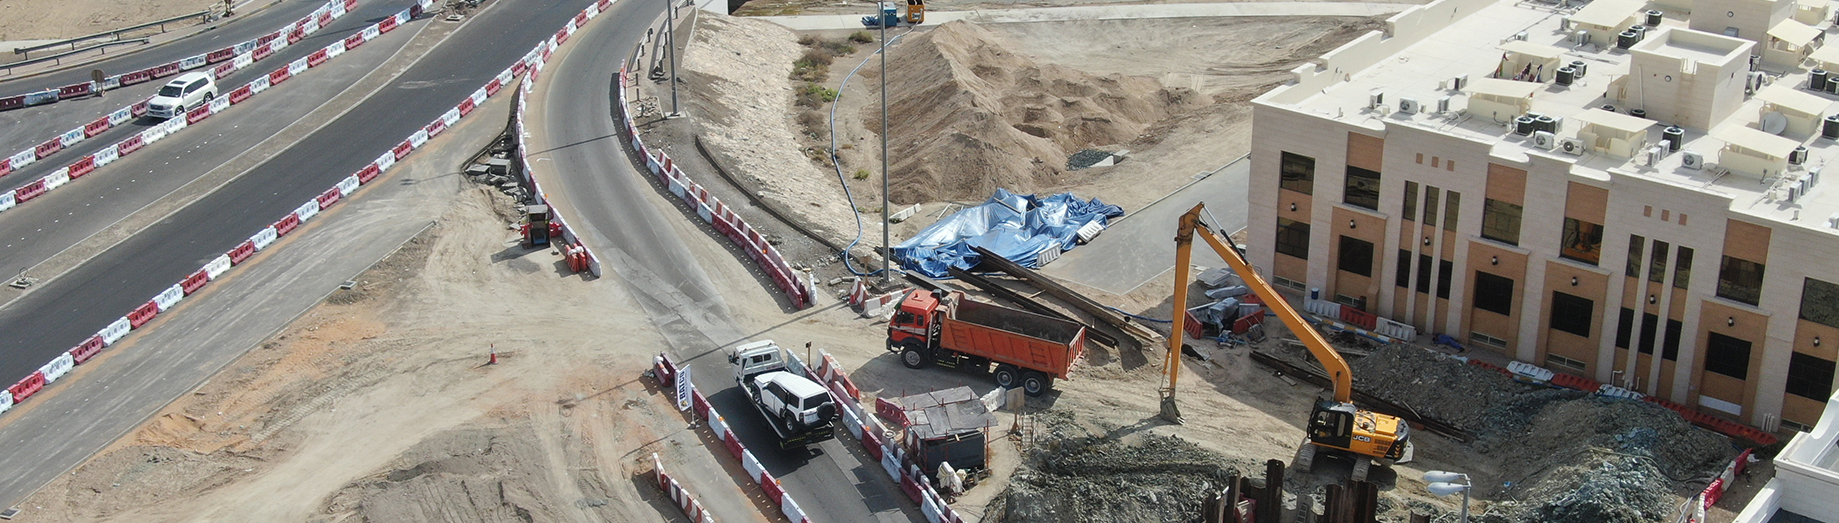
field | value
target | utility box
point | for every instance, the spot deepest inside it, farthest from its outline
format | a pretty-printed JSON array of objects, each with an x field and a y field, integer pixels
[{"x": 536, "y": 226}]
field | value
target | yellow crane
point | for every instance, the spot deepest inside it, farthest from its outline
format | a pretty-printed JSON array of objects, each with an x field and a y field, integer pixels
[{"x": 1335, "y": 423}]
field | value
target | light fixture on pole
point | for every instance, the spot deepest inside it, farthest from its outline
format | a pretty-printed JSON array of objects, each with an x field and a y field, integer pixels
[
  {"x": 1444, "y": 483},
  {"x": 887, "y": 253}
]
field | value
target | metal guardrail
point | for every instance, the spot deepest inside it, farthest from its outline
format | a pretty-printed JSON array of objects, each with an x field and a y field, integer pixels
[
  {"x": 205, "y": 15},
  {"x": 60, "y": 56}
]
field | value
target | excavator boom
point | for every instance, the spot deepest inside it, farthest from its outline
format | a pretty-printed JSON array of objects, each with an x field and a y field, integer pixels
[{"x": 1331, "y": 360}]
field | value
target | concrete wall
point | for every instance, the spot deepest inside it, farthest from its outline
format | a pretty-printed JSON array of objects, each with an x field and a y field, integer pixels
[{"x": 1402, "y": 30}]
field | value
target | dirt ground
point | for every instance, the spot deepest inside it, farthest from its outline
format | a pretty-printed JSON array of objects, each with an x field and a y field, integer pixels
[
  {"x": 378, "y": 405},
  {"x": 965, "y": 100},
  {"x": 42, "y": 20}
]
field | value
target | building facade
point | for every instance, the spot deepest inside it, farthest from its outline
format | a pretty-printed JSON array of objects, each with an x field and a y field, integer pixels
[{"x": 1654, "y": 230}]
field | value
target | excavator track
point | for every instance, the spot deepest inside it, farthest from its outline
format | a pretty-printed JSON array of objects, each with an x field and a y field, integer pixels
[{"x": 1305, "y": 457}]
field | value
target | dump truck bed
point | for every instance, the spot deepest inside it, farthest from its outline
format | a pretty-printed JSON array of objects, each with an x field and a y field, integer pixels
[{"x": 1016, "y": 337}]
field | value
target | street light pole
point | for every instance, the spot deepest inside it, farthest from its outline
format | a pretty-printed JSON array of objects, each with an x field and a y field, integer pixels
[
  {"x": 670, "y": 39},
  {"x": 1444, "y": 483},
  {"x": 887, "y": 251}
]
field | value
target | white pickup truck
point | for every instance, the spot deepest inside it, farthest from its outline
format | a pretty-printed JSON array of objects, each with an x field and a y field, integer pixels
[{"x": 800, "y": 410}]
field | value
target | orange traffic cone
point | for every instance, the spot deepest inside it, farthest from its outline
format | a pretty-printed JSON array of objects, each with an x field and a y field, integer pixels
[{"x": 494, "y": 359}]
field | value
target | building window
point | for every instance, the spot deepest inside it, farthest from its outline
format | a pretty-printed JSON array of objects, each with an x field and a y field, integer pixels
[
  {"x": 1625, "y": 328},
  {"x": 1682, "y": 269},
  {"x": 1493, "y": 293},
  {"x": 1293, "y": 238},
  {"x": 1650, "y": 324},
  {"x": 1572, "y": 313},
  {"x": 1728, "y": 356},
  {"x": 1423, "y": 274},
  {"x": 1820, "y": 302},
  {"x": 1561, "y": 361},
  {"x": 1410, "y": 211},
  {"x": 1740, "y": 280},
  {"x": 1657, "y": 265},
  {"x": 1810, "y": 377},
  {"x": 1452, "y": 202},
  {"x": 1431, "y": 197},
  {"x": 1356, "y": 256},
  {"x": 1583, "y": 241},
  {"x": 1483, "y": 339},
  {"x": 1402, "y": 275},
  {"x": 1669, "y": 347},
  {"x": 1445, "y": 270},
  {"x": 1635, "y": 244},
  {"x": 1362, "y": 188},
  {"x": 1500, "y": 221},
  {"x": 1298, "y": 173}
]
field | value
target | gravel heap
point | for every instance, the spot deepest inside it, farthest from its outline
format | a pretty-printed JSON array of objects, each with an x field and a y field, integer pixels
[
  {"x": 1086, "y": 478},
  {"x": 1565, "y": 456},
  {"x": 1085, "y": 158}
]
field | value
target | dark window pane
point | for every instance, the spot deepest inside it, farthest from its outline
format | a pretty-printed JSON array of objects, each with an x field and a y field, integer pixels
[
  {"x": 1572, "y": 313},
  {"x": 1682, "y": 269},
  {"x": 1410, "y": 211},
  {"x": 1810, "y": 377},
  {"x": 1820, "y": 302},
  {"x": 1452, "y": 203},
  {"x": 1657, "y": 265},
  {"x": 1356, "y": 256},
  {"x": 1431, "y": 196},
  {"x": 1650, "y": 324},
  {"x": 1298, "y": 173},
  {"x": 1582, "y": 241},
  {"x": 1669, "y": 347},
  {"x": 1293, "y": 238},
  {"x": 1402, "y": 276},
  {"x": 1445, "y": 270},
  {"x": 1728, "y": 356},
  {"x": 1625, "y": 328},
  {"x": 1740, "y": 280},
  {"x": 1493, "y": 293},
  {"x": 1500, "y": 221},
  {"x": 1423, "y": 274},
  {"x": 1362, "y": 188},
  {"x": 1635, "y": 244}
]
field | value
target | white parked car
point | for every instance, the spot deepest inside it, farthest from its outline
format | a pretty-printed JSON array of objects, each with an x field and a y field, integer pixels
[{"x": 188, "y": 91}]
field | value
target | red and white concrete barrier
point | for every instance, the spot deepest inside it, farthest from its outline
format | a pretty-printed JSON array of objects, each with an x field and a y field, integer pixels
[
  {"x": 878, "y": 441},
  {"x": 796, "y": 285},
  {"x": 679, "y": 495},
  {"x": 86, "y": 164}
]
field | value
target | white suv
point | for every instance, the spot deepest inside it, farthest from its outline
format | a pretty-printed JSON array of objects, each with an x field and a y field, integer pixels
[{"x": 188, "y": 91}]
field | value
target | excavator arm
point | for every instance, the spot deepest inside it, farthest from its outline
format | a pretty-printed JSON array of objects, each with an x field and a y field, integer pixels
[{"x": 1190, "y": 222}]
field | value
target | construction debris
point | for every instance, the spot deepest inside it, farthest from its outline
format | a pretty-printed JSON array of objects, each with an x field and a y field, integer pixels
[{"x": 1148, "y": 478}]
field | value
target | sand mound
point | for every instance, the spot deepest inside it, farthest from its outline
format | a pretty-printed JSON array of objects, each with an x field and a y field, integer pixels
[{"x": 969, "y": 116}]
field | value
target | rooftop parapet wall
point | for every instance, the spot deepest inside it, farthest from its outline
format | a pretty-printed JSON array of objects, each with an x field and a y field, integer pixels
[{"x": 1402, "y": 30}]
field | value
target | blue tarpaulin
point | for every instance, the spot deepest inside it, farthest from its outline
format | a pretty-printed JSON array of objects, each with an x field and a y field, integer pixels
[{"x": 1017, "y": 227}]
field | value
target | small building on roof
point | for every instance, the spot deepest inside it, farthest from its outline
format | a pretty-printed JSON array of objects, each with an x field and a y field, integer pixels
[
  {"x": 1753, "y": 153},
  {"x": 1502, "y": 100},
  {"x": 1612, "y": 133}
]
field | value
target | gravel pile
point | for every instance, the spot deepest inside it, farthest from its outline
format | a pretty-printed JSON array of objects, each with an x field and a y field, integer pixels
[
  {"x": 1565, "y": 456},
  {"x": 1085, "y": 478},
  {"x": 1085, "y": 158},
  {"x": 1435, "y": 386}
]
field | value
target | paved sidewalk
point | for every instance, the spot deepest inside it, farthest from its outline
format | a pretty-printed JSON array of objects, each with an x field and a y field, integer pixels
[{"x": 1107, "y": 12}]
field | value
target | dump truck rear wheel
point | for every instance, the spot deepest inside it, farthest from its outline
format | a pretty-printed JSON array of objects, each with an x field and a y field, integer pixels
[
  {"x": 1006, "y": 376},
  {"x": 1034, "y": 383},
  {"x": 913, "y": 357}
]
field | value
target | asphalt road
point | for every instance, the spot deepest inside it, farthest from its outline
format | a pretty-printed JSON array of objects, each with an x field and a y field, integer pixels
[
  {"x": 50, "y": 320},
  {"x": 44, "y": 227},
  {"x": 628, "y": 220},
  {"x": 32, "y": 125},
  {"x": 1141, "y": 246}
]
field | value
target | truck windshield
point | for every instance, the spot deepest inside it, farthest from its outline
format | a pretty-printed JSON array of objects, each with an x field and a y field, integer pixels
[{"x": 172, "y": 91}]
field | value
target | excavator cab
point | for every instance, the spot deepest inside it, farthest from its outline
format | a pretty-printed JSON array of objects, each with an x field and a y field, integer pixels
[{"x": 1332, "y": 424}]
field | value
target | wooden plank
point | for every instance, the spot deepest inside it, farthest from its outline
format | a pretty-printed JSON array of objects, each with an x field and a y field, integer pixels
[
  {"x": 1028, "y": 303},
  {"x": 1077, "y": 300}
]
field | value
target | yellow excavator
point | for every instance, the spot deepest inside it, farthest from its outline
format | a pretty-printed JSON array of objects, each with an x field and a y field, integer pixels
[{"x": 1335, "y": 424}]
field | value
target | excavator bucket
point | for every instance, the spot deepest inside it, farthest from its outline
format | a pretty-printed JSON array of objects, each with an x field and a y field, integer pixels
[{"x": 1170, "y": 412}]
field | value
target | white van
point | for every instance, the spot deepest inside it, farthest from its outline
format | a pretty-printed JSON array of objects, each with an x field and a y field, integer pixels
[{"x": 188, "y": 91}]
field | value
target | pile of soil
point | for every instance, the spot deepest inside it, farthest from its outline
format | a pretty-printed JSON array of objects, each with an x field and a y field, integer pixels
[
  {"x": 460, "y": 475},
  {"x": 1565, "y": 456},
  {"x": 969, "y": 116},
  {"x": 1144, "y": 478}
]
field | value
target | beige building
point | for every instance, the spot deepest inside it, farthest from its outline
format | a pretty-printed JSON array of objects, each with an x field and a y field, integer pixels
[{"x": 1653, "y": 219}]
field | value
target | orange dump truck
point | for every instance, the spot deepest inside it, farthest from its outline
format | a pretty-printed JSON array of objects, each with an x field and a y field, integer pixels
[{"x": 1028, "y": 349}]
